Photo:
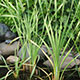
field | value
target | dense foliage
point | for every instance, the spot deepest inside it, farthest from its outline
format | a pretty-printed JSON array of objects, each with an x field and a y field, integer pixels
[
  {"x": 29, "y": 8},
  {"x": 55, "y": 23}
]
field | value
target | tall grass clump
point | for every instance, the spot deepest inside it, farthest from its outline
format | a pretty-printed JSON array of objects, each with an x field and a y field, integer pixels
[
  {"x": 59, "y": 36},
  {"x": 43, "y": 19},
  {"x": 59, "y": 29},
  {"x": 26, "y": 24}
]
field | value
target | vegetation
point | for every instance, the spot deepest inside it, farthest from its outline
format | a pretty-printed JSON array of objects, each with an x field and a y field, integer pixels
[{"x": 50, "y": 22}]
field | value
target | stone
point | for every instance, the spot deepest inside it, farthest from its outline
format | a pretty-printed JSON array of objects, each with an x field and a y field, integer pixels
[
  {"x": 70, "y": 54},
  {"x": 1, "y": 61},
  {"x": 6, "y": 49},
  {"x": 20, "y": 53},
  {"x": 40, "y": 53},
  {"x": 66, "y": 51},
  {"x": 8, "y": 41},
  {"x": 67, "y": 60},
  {"x": 78, "y": 56},
  {"x": 12, "y": 59},
  {"x": 5, "y": 33}
]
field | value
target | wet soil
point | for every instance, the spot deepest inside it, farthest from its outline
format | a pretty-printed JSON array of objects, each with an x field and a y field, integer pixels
[
  {"x": 22, "y": 75},
  {"x": 68, "y": 75}
]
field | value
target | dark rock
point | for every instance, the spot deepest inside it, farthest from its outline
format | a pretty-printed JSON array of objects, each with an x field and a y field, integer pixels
[
  {"x": 10, "y": 35},
  {"x": 5, "y": 33},
  {"x": 3, "y": 30},
  {"x": 41, "y": 54}
]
